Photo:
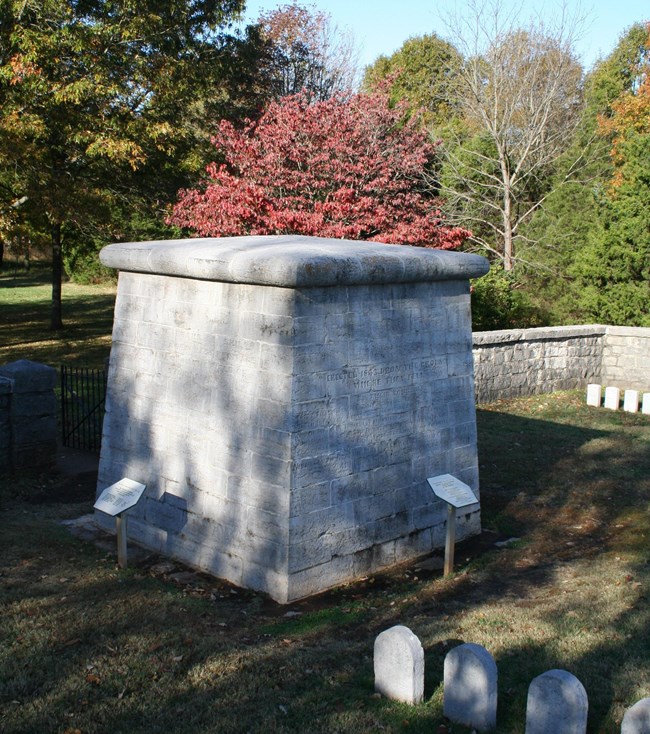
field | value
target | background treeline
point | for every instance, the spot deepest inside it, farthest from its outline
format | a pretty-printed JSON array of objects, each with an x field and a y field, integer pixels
[{"x": 109, "y": 108}]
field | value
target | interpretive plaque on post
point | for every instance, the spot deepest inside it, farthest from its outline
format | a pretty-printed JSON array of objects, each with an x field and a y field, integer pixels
[
  {"x": 116, "y": 500},
  {"x": 452, "y": 490},
  {"x": 456, "y": 494},
  {"x": 119, "y": 497}
]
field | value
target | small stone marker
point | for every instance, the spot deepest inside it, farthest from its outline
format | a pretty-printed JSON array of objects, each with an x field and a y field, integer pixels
[
  {"x": 594, "y": 394},
  {"x": 612, "y": 398},
  {"x": 456, "y": 494},
  {"x": 631, "y": 401},
  {"x": 645, "y": 405},
  {"x": 115, "y": 501},
  {"x": 399, "y": 665},
  {"x": 637, "y": 718},
  {"x": 557, "y": 704},
  {"x": 470, "y": 687}
]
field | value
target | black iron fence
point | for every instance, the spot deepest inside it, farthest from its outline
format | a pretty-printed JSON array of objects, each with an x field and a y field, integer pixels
[{"x": 83, "y": 391}]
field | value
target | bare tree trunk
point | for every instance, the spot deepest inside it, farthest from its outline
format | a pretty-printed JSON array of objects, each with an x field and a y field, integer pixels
[
  {"x": 56, "y": 321},
  {"x": 519, "y": 92},
  {"x": 508, "y": 254}
]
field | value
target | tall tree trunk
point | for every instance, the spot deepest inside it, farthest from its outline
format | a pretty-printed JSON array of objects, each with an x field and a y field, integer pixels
[
  {"x": 2, "y": 253},
  {"x": 56, "y": 321},
  {"x": 508, "y": 259}
]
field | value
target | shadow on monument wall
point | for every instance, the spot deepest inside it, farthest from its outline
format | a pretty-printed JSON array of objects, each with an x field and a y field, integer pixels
[
  {"x": 518, "y": 458},
  {"x": 378, "y": 445}
]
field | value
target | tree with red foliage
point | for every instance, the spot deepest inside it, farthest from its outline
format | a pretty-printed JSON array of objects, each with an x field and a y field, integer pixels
[{"x": 349, "y": 168}]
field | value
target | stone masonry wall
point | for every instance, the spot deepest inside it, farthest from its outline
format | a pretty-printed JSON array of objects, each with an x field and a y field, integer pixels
[
  {"x": 626, "y": 358},
  {"x": 28, "y": 416},
  {"x": 285, "y": 435},
  {"x": 518, "y": 362}
]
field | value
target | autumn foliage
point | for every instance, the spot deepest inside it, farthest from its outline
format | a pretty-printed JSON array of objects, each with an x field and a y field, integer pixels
[
  {"x": 630, "y": 114},
  {"x": 342, "y": 168}
]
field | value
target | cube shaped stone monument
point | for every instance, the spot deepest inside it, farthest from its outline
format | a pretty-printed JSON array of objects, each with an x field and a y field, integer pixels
[{"x": 284, "y": 400}]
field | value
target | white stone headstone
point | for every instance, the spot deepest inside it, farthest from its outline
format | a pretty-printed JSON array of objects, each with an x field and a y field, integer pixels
[
  {"x": 399, "y": 665},
  {"x": 594, "y": 395},
  {"x": 470, "y": 687},
  {"x": 645, "y": 405},
  {"x": 631, "y": 401},
  {"x": 612, "y": 398},
  {"x": 637, "y": 718},
  {"x": 557, "y": 704}
]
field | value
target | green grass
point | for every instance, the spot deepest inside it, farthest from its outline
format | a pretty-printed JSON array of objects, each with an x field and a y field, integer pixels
[
  {"x": 25, "y": 305},
  {"x": 86, "y": 647}
]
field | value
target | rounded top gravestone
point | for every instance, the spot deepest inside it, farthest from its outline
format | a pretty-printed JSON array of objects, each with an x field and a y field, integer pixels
[{"x": 292, "y": 261}]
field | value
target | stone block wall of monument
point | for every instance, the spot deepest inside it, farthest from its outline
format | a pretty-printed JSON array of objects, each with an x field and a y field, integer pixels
[{"x": 285, "y": 428}]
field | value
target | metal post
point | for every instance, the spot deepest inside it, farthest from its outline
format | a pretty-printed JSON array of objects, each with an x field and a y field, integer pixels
[{"x": 451, "y": 540}]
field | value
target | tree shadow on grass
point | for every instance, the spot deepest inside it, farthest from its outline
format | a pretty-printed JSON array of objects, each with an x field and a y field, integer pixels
[
  {"x": 85, "y": 339},
  {"x": 164, "y": 662}
]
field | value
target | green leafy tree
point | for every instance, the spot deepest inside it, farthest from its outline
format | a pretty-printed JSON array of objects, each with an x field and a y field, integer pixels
[
  {"x": 422, "y": 74},
  {"x": 572, "y": 214},
  {"x": 499, "y": 302},
  {"x": 97, "y": 99},
  {"x": 614, "y": 271}
]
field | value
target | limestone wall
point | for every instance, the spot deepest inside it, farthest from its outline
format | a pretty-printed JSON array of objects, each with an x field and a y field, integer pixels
[
  {"x": 518, "y": 362},
  {"x": 626, "y": 358},
  {"x": 285, "y": 427},
  {"x": 28, "y": 417}
]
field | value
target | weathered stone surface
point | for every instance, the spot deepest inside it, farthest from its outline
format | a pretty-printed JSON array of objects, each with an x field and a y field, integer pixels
[
  {"x": 298, "y": 424},
  {"x": 557, "y": 704},
  {"x": 292, "y": 261},
  {"x": 594, "y": 395},
  {"x": 645, "y": 405},
  {"x": 626, "y": 355},
  {"x": 28, "y": 416},
  {"x": 28, "y": 376},
  {"x": 612, "y": 397},
  {"x": 5, "y": 425},
  {"x": 518, "y": 362},
  {"x": 637, "y": 718},
  {"x": 631, "y": 401},
  {"x": 399, "y": 665},
  {"x": 470, "y": 687}
]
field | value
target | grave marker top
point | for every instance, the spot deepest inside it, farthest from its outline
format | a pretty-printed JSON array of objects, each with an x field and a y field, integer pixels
[{"x": 292, "y": 261}]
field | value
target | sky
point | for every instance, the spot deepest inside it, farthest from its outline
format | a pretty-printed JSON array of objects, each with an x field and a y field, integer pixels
[{"x": 382, "y": 26}]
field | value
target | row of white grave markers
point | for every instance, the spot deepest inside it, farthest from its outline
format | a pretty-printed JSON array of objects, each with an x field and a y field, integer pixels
[
  {"x": 613, "y": 399},
  {"x": 557, "y": 701}
]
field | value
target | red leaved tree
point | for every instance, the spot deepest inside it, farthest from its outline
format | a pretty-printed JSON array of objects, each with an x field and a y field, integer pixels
[{"x": 344, "y": 168}]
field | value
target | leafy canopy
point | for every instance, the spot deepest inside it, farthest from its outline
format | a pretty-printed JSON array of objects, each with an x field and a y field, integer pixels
[
  {"x": 422, "y": 73},
  {"x": 96, "y": 94},
  {"x": 343, "y": 168},
  {"x": 615, "y": 268}
]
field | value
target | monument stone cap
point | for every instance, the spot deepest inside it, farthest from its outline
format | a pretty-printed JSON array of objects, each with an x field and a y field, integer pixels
[{"x": 292, "y": 261}]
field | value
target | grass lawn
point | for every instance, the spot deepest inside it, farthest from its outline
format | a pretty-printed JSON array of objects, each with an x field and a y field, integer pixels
[
  {"x": 85, "y": 647},
  {"x": 25, "y": 298}
]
